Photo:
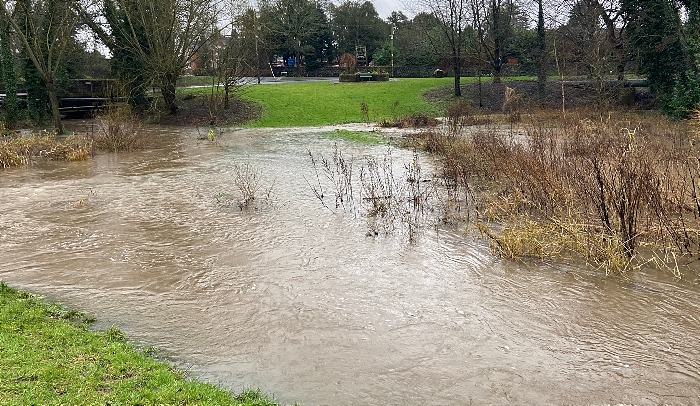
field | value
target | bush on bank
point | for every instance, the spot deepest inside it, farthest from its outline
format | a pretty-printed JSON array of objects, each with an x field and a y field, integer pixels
[{"x": 358, "y": 77}]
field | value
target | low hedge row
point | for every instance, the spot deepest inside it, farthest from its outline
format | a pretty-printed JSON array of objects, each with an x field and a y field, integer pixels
[{"x": 355, "y": 77}]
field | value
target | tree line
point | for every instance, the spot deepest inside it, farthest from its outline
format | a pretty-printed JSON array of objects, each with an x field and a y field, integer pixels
[{"x": 150, "y": 43}]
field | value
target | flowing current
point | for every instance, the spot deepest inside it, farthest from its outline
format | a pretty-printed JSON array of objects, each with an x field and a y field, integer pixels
[{"x": 296, "y": 299}]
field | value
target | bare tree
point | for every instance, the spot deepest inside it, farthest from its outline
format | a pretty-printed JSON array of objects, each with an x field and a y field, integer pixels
[
  {"x": 610, "y": 12},
  {"x": 230, "y": 66},
  {"x": 492, "y": 20},
  {"x": 604, "y": 22},
  {"x": 454, "y": 17},
  {"x": 163, "y": 35},
  {"x": 45, "y": 28}
]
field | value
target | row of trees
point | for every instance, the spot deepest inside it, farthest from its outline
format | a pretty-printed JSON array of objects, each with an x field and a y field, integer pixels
[
  {"x": 151, "y": 42},
  {"x": 597, "y": 38}
]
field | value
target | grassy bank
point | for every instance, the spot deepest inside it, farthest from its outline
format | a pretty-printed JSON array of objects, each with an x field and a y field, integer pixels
[
  {"x": 326, "y": 103},
  {"x": 49, "y": 357}
]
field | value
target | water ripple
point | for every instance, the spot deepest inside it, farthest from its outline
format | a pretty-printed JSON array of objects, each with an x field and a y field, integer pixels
[{"x": 295, "y": 298}]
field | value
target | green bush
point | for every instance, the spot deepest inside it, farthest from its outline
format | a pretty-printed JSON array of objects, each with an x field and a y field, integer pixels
[
  {"x": 380, "y": 76},
  {"x": 349, "y": 77},
  {"x": 685, "y": 98},
  {"x": 355, "y": 77}
]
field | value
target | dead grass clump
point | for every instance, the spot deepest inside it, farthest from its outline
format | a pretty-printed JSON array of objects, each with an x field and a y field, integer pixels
[
  {"x": 19, "y": 151},
  {"x": 416, "y": 120},
  {"x": 529, "y": 238},
  {"x": 521, "y": 237},
  {"x": 9, "y": 157},
  {"x": 82, "y": 147}
]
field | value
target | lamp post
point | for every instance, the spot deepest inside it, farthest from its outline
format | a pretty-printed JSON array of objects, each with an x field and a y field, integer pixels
[
  {"x": 256, "y": 29},
  {"x": 393, "y": 28}
]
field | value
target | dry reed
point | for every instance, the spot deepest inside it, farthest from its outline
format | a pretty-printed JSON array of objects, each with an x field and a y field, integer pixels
[
  {"x": 18, "y": 150},
  {"x": 596, "y": 186}
]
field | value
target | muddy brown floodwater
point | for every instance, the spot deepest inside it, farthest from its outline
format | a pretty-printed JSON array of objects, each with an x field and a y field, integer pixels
[{"x": 297, "y": 300}]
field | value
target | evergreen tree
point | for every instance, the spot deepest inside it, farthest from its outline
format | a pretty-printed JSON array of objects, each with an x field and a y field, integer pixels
[
  {"x": 126, "y": 64},
  {"x": 299, "y": 29},
  {"x": 541, "y": 54},
  {"x": 685, "y": 99},
  {"x": 7, "y": 66},
  {"x": 654, "y": 32}
]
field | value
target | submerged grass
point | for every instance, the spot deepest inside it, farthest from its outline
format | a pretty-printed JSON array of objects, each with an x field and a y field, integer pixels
[
  {"x": 117, "y": 130},
  {"x": 364, "y": 137},
  {"x": 49, "y": 357}
]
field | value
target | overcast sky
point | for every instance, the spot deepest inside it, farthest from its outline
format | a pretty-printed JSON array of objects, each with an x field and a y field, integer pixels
[
  {"x": 553, "y": 12},
  {"x": 385, "y": 7}
]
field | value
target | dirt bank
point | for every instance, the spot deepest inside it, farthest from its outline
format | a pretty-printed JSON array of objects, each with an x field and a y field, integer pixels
[{"x": 492, "y": 96}]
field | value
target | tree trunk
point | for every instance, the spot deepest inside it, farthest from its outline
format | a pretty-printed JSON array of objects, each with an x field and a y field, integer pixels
[
  {"x": 458, "y": 73},
  {"x": 496, "y": 21},
  {"x": 542, "y": 57},
  {"x": 497, "y": 59},
  {"x": 227, "y": 89},
  {"x": 167, "y": 89},
  {"x": 53, "y": 100},
  {"x": 497, "y": 70},
  {"x": 481, "y": 87},
  {"x": 621, "y": 61}
]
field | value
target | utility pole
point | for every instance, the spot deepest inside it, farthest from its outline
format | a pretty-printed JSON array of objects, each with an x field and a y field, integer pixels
[
  {"x": 256, "y": 28},
  {"x": 393, "y": 28}
]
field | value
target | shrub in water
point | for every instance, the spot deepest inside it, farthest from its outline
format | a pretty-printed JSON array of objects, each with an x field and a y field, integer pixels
[{"x": 118, "y": 130}]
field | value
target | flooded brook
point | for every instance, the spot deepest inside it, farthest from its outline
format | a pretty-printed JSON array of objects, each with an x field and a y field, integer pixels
[{"x": 299, "y": 301}]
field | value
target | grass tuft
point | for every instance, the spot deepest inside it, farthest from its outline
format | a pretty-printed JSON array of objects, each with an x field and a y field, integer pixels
[{"x": 18, "y": 151}]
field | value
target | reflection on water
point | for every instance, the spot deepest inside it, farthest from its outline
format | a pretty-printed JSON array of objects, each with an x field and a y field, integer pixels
[{"x": 297, "y": 300}]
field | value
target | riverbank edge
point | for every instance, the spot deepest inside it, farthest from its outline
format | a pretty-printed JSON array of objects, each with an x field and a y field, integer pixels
[{"x": 49, "y": 356}]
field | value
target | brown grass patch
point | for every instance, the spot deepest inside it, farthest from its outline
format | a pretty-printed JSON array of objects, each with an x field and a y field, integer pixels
[
  {"x": 17, "y": 151},
  {"x": 582, "y": 184}
]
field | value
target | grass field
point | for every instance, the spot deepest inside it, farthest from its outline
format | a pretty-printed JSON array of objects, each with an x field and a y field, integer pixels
[
  {"x": 49, "y": 357},
  {"x": 294, "y": 103},
  {"x": 319, "y": 103}
]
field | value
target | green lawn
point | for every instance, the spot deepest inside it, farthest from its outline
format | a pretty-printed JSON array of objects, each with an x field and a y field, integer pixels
[
  {"x": 49, "y": 357},
  {"x": 322, "y": 103},
  {"x": 298, "y": 104}
]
